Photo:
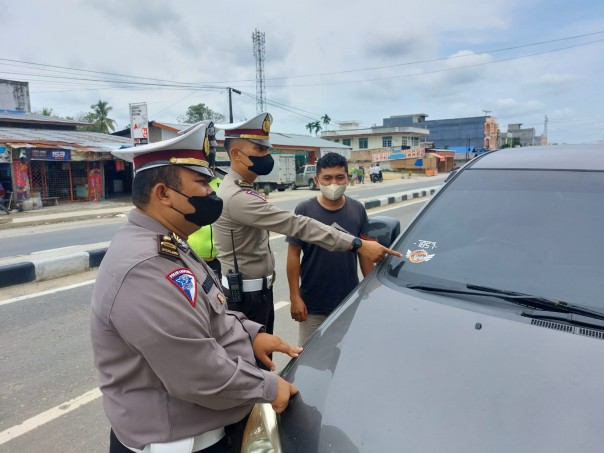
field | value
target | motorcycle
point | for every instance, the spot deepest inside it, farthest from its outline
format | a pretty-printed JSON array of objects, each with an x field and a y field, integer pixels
[{"x": 377, "y": 177}]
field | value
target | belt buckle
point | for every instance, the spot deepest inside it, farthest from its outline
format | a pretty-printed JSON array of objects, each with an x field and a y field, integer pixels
[{"x": 270, "y": 280}]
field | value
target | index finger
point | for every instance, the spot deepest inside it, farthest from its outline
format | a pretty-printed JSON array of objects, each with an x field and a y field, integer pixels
[
  {"x": 393, "y": 252},
  {"x": 286, "y": 348}
]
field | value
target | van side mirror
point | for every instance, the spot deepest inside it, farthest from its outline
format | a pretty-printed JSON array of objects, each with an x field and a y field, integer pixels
[{"x": 381, "y": 228}]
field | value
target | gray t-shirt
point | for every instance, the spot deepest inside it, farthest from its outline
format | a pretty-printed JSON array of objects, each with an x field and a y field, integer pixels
[{"x": 328, "y": 277}]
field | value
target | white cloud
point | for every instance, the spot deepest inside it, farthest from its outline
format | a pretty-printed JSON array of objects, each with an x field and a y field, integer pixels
[{"x": 194, "y": 42}]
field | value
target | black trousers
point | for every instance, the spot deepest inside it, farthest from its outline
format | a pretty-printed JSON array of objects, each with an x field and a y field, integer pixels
[
  {"x": 230, "y": 443},
  {"x": 256, "y": 306}
]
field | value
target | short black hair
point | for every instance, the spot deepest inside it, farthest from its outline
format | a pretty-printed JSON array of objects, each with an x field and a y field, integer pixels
[
  {"x": 145, "y": 180},
  {"x": 331, "y": 160}
]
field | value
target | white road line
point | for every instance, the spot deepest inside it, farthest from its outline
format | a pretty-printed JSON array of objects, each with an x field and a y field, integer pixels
[
  {"x": 280, "y": 305},
  {"x": 44, "y": 293},
  {"x": 398, "y": 205},
  {"x": 49, "y": 415}
]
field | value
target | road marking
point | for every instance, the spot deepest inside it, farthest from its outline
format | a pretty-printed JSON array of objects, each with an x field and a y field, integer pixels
[
  {"x": 398, "y": 206},
  {"x": 280, "y": 305},
  {"x": 64, "y": 408},
  {"x": 49, "y": 415},
  {"x": 44, "y": 293}
]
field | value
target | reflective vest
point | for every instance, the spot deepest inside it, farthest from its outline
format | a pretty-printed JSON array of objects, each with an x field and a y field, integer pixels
[{"x": 202, "y": 241}]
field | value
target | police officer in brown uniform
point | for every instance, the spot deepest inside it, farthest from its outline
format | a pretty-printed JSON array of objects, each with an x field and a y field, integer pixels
[
  {"x": 242, "y": 231},
  {"x": 176, "y": 369}
]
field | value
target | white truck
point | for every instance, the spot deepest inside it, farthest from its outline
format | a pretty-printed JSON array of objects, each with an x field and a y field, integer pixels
[{"x": 282, "y": 176}]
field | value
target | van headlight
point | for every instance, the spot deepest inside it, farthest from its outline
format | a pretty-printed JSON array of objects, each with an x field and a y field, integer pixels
[{"x": 261, "y": 434}]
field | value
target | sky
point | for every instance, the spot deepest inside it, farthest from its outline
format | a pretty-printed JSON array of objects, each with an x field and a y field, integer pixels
[{"x": 517, "y": 60}]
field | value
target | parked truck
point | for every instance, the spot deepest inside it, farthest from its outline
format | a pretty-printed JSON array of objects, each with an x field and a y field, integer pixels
[
  {"x": 282, "y": 176},
  {"x": 305, "y": 177}
]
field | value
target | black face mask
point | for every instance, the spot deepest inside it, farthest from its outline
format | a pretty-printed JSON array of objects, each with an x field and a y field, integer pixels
[
  {"x": 261, "y": 165},
  {"x": 207, "y": 209}
]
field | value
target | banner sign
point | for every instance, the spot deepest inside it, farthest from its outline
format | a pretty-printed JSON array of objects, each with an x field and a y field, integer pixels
[
  {"x": 412, "y": 153},
  {"x": 49, "y": 154},
  {"x": 139, "y": 124}
]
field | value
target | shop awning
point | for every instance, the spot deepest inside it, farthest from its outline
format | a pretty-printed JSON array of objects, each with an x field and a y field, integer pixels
[{"x": 440, "y": 157}]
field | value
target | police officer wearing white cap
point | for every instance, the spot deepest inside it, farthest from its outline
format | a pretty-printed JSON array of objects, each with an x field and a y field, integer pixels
[
  {"x": 242, "y": 231},
  {"x": 176, "y": 369}
]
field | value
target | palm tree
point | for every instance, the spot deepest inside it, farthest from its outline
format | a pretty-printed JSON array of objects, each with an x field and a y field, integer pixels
[
  {"x": 317, "y": 127},
  {"x": 311, "y": 127},
  {"x": 326, "y": 119},
  {"x": 102, "y": 122}
]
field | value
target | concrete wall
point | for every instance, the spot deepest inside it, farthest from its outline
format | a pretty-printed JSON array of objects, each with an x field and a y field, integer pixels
[{"x": 14, "y": 96}]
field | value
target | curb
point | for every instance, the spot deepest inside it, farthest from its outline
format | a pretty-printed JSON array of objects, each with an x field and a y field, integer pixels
[
  {"x": 399, "y": 197},
  {"x": 48, "y": 269},
  {"x": 73, "y": 263}
]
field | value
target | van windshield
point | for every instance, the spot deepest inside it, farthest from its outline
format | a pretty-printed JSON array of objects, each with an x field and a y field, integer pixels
[{"x": 538, "y": 232}]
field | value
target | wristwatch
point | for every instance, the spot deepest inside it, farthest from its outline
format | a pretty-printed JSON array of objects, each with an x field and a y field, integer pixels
[{"x": 356, "y": 244}]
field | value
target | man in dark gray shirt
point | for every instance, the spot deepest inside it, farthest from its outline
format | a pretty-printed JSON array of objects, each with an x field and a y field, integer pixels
[{"x": 325, "y": 278}]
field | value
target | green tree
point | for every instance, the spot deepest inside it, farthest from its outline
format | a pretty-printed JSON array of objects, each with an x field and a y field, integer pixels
[
  {"x": 46, "y": 111},
  {"x": 326, "y": 119},
  {"x": 99, "y": 117},
  {"x": 200, "y": 112},
  {"x": 317, "y": 127},
  {"x": 311, "y": 127}
]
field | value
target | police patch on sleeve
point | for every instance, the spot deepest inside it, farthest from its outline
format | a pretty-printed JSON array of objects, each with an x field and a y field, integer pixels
[
  {"x": 185, "y": 281},
  {"x": 256, "y": 194}
]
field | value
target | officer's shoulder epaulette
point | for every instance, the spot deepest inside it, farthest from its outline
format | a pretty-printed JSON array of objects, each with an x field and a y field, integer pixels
[
  {"x": 243, "y": 184},
  {"x": 166, "y": 246}
]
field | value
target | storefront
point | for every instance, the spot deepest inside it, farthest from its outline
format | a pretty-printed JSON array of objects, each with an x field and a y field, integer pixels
[{"x": 55, "y": 173}]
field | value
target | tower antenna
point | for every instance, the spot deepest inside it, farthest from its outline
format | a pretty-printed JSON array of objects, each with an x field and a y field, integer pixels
[{"x": 258, "y": 39}]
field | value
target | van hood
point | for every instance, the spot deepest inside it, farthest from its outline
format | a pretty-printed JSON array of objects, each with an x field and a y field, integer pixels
[{"x": 402, "y": 370}]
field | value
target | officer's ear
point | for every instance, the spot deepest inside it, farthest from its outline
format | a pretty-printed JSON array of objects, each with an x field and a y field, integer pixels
[{"x": 161, "y": 193}]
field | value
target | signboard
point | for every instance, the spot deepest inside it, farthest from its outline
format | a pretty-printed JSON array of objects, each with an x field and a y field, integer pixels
[
  {"x": 49, "y": 154},
  {"x": 139, "y": 124},
  {"x": 380, "y": 156},
  {"x": 4, "y": 154},
  {"x": 412, "y": 153}
]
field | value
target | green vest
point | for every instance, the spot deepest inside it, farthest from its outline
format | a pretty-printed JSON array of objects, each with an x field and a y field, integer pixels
[{"x": 202, "y": 241}]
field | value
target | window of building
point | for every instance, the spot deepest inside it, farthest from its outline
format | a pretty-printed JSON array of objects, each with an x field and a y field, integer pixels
[
  {"x": 363, "y": 143},
  {"x": 386, "y": 142},
  {"x": 405, "y": 141},
  {"x": 415, "y": 141},
  {"x": 346, "y": 141},
  {"x": 337, "y": 140}
]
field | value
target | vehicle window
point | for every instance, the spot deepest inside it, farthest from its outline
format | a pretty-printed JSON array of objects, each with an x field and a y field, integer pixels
[
  {"x": 535, "y": 232},
  {"x": 300, "y": 170}
]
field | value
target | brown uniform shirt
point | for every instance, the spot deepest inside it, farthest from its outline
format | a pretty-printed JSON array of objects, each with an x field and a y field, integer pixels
[
  {"x": 251, "y": 217},
  {"x": 172, "y": 362}
]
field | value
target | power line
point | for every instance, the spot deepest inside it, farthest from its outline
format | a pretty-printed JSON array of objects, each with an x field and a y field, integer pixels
[{"x": 193, "y": 84}]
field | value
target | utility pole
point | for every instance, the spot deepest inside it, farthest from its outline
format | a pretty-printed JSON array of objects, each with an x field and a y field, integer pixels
[{"x": 231, "y": 103}]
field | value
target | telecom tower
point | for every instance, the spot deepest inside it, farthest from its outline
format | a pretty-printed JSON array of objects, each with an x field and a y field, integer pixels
[{"x": 258, "y": 39}]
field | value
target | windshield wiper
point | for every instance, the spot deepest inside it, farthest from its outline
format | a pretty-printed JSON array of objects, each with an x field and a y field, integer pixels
[
  {"x": 570, "y": 318},
  {"x": 526, "y": 300}
]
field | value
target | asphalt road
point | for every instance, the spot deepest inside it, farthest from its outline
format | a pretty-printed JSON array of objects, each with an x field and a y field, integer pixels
[
  {"x": 49, "y": 399},
  {"x": 20, "y": 242}
]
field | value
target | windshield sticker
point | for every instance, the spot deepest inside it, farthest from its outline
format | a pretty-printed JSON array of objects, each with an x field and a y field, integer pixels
[
  {"x": 418, "y": 256},
  {"x": 425, "y": 244},
  {"x": 422, "y": 255}
]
